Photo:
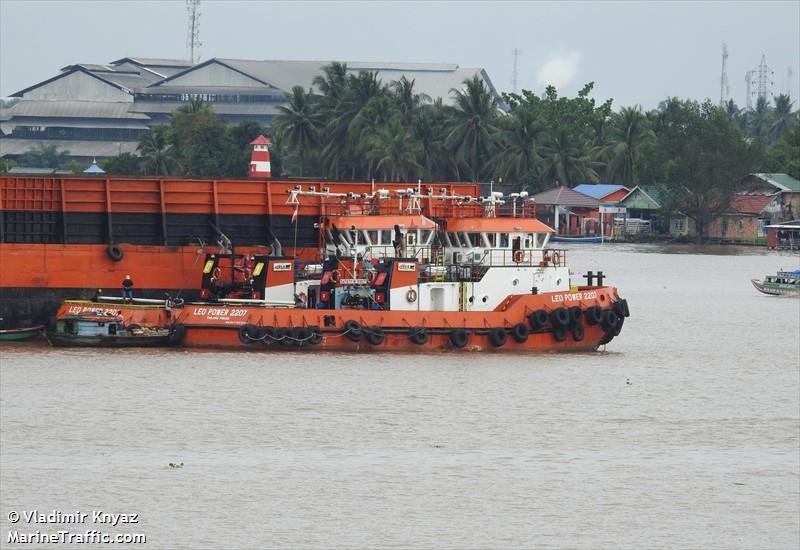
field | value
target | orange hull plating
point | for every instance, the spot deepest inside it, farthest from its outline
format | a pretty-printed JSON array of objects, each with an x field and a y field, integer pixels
[{"x": 220, "y": 325}]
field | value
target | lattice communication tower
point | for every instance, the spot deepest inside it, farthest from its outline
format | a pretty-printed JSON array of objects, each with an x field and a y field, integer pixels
[
  {"x": 193, "y": 30},
  {"x": 763, "y": 76}
]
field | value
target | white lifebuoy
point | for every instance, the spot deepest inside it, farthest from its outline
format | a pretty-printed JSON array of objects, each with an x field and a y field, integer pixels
[
  {"x": 556, "y": 258},
  {"x": 411, "y": 296},
  {"x": 302, "y": 297},
  {"x": 518, "y": 256}
]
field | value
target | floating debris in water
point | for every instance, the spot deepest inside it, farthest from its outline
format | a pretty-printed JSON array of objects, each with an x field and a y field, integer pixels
[{"x": 174, "y": 465}]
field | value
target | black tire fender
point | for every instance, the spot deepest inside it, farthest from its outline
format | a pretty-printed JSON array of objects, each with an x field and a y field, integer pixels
[
  {"x": 459, "y": 338},
  {"x": 268, "y": 335},
  {"x": 538, "y": 319},
  {"x": 610, "y": 321},
  {"x": 114, "y": 252},
  {"x": 575, "y": 315},
  {"x": 353, "y": 330},
  {"x": 577, "y": 332},
  {"x": 316, "y": 336},
  {"x": 559, "y": 316},
  {"x": 594, "y": 315},
  {"x": 176, "y": 333},
  {"x": 520, "y": 333},
  {"x": 498, "y": 336},
  {"x": 560, "y": 333},
  {"x": 375, "y": 336},
  {"x": 248, "y": 333},
  {"x": 418, "y": 335}
]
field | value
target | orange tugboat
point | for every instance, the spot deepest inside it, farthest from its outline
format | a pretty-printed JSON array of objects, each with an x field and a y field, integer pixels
[{"x": 390, "y": 278}]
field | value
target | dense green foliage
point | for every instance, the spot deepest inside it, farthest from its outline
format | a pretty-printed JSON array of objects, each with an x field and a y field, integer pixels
[{"x": 353, "y": 126}]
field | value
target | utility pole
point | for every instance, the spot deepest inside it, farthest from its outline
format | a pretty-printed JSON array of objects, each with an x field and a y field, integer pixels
[
  {"x": 748, "y": 77},
  {"x": 193, "y": 30},
  {"x": 516, "y": 53},
  {"x": 724, "y": 85},
  {"x": 789, "y": 75}
]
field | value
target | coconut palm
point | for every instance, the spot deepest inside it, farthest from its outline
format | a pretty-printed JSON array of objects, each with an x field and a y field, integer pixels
[
  {"x": 396, "y": 151},
  {"x": 430, "y": 129},
  {"x": 567, "y": 160},
  {"x": 518, "y": 142},
  {"x": 629, "y": 130},
  {"x": 156, "y": 152},
  {"x": 473, "y": 126},
  {"x": 407, "y": 102},
  {"x": 298, "y": 123},
  {"x": 783, "y": 115}
]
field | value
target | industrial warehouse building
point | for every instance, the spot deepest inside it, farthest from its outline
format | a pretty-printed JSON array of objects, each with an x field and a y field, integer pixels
[{"x": 102, "y": 110}]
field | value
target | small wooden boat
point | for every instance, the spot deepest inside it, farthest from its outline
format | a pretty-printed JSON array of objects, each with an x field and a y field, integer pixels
[
  {"x": 103, "y": 329},
  {"x": 783, "y": 283},
  {"x": 560, "y": 239},
  {"x": 17, "y": 334}
]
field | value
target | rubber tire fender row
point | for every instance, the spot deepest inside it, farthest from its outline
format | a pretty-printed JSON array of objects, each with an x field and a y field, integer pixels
[
  {"x": 375, "y": 335},
  {"x": 538, "y": 319},
  {"x": 353, "y": 330},
  {"x": 248, "y": 333},
  {"x": 459, "y": 338},
  {"x": 520, "y": 333},
  {"x": 594, "y": 315},
  {"x": 618, "y": 328},
  {"x": 498, "y": 336},
  {"x": 559, "y": 317},
  {"x": 418, "y": 335}
]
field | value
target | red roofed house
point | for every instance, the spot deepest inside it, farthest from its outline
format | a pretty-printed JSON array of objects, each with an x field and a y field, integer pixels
[
  {"x": 747, "y": 220},
  {"x": 569, "y": 212}
]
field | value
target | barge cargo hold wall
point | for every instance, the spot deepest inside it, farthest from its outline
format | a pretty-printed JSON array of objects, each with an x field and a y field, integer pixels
[{"x": 56, "y": 233}]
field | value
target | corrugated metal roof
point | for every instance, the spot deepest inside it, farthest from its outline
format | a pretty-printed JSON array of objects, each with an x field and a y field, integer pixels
[
  {"x": 647, "y": 199},
  {"x": 784, "y": 182},
  {"x": 265, "y": 109},
  {"x": 11, "y": 146},
  {"x": 154, "y": 62},
  {"x": 598, "y": 190},
  {"x": 75, "y": 109},
  {"x": 564, "y": 196},
  {"x": 435, "y": 80}
]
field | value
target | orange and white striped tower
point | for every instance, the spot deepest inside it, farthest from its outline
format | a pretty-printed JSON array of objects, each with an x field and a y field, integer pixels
[{"x": 259, "y": 158}]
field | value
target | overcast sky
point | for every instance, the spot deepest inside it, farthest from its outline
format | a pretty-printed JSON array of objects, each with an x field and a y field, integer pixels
[{"x": 636, "y": 52}]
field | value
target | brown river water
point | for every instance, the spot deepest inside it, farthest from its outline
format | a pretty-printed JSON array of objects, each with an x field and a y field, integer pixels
[{"x": 683, "y": 433}]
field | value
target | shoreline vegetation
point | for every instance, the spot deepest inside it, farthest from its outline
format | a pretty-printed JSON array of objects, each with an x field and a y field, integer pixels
[{"x": 354, "y": 126}]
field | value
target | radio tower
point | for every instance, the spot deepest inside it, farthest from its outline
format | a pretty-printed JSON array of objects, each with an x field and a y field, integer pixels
[
  {"x": 764, "y": 73},
  {"x": 516, "y": 53},
  {"x": 193, "y": 30},
  {"x": 724, "y": 85},
  {"x": 789, "y": 75}
]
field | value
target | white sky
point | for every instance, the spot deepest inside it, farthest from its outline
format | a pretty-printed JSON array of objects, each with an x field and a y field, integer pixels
[{"x": 636, "y": 52}]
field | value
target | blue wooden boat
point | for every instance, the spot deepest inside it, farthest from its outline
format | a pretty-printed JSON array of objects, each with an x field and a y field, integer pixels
[{"x": 561, "y": 239}]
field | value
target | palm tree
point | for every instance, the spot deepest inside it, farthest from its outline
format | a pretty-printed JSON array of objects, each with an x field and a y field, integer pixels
[
  {"x": 567, "y": 160},
  {"x": 298, "y": 124},
  {"x": 519, "y": 140},
  {"x": 629, "y": 131},
  {"x": 760, "y": 119},
  {"x": 156, "y": 152},
  {"x": 396, "y": 151},
  {"x": 430, "y": 129},
  {"x": 473, "y": 125},
  {"x": 784, "y": 117},
  {"x": 44, "y": 156},
  {"x": 407, "y": 102}
]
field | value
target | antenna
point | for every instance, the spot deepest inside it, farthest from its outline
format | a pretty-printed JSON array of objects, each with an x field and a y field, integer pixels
[
  {"x": 748, "y": 77},
  {"x": 515, "y": 53},
  {"x": 789, "y": 75},
  {"x": 193, "y": 30},
  {"x": 724, "y": 85}
]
